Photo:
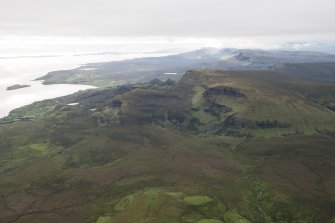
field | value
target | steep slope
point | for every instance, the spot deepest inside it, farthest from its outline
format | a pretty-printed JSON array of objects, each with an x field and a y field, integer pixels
[
  {"x": 260, "y": 103},
  {"x": 237, "y": 103}
]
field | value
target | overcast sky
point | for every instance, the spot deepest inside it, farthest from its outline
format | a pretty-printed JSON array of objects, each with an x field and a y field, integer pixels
[{"x": 167, "y": 18}]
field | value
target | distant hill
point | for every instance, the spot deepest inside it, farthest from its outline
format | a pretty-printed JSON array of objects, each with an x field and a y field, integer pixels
[
  {"x": 260, "y": 59},
  {"x": 174, "y": 66},
  {"x": 312, "y": 71}
]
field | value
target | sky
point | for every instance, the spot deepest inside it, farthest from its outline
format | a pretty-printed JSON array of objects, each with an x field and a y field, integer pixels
[
  {"x": 189, "y": 18},
  {"x": 246, "y": 22}
]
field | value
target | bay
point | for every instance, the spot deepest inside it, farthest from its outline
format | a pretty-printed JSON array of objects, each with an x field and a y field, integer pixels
[{"x": 24, "y": 70}]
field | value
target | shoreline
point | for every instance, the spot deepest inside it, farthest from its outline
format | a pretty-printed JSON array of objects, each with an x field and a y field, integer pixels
[
  {"x": 31, "y": 71},
  {"x": 38, "y": 91}
]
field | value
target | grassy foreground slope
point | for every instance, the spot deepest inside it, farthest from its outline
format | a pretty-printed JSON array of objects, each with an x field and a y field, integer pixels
[{"x": 217, "y": 146}]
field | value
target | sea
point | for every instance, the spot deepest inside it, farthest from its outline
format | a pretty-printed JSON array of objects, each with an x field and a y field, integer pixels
[{"x": 23, "y": 70}]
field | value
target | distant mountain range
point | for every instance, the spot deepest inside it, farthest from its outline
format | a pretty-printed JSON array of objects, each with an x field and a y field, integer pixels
[{"x": 174, "y": 66}]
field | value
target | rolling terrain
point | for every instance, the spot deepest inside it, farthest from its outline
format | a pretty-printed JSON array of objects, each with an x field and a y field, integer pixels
[{"x": 214, "y": 147}]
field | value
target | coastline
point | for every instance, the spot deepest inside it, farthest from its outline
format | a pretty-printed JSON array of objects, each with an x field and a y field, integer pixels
[
  {"x": 31, "y": 70},
  {"x": 37, "y": 92}
]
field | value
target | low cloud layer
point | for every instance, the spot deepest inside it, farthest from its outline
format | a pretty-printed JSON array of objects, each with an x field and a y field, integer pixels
[{"x": 181, "y": 18}]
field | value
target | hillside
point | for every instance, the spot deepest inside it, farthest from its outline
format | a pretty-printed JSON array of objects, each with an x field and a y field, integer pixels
[
  {"x": 216, "y": 146},
  {"x": 174, "y": 66},
  {"x": 312, "y": 71}
]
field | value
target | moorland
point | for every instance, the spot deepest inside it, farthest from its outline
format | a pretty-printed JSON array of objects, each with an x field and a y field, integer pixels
[{"x": 213, "y": 146}]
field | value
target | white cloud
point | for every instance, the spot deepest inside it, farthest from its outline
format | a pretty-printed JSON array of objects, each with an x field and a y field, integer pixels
[{"x": 187, "y": 18}]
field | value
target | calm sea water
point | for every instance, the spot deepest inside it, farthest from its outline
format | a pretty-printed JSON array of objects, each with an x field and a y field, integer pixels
[{"x": 25, "y": 70}]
